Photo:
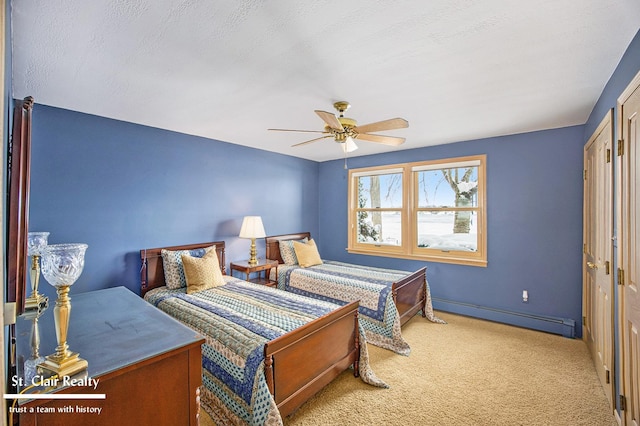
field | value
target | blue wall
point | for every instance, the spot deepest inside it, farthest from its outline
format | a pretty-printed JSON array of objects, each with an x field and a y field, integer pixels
[
  {"x": 534, "y": 220},
  {"x": 121, "y": 187}
]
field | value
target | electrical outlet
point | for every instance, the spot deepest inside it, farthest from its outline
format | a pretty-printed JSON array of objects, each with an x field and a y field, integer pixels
[{"x": 525, "y": 296}]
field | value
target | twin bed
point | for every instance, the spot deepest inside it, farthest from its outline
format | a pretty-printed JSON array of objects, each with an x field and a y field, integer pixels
[
  {"x": 267, "y": 351},
  {"x": 388, "y": 298}
]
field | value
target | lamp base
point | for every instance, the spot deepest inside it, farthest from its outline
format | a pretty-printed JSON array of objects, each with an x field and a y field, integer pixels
[
  {"x": 36, "y": 302},
  {"x": 253, "y": 260},
  {"x": 68, "y": 366}
]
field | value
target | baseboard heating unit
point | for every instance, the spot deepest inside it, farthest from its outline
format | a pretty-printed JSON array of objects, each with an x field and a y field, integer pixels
[{"x": 564, "y": 326}]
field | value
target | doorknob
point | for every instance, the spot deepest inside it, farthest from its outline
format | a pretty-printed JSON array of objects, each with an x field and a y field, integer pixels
[{"x": 592, "y": 265}]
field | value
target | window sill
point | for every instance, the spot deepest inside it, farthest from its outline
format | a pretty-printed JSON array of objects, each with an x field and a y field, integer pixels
[{"x": 449, "y": 259}]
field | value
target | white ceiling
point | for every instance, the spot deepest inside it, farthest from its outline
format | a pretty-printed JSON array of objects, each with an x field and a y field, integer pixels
[{"x": 229, "y": 70}]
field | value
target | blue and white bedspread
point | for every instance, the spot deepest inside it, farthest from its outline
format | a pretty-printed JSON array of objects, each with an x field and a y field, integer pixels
[
  {"x": 237, "y": 319},
  {"x": 341, "y": 283}
]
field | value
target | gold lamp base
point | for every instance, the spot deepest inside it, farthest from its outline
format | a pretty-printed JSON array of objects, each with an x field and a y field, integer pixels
[
  {"x": 69, "y": 365},
  {"x": 36, "y": 302},
  {"x": 253, "y": 260},
  {"x": 63, "y": 362}
]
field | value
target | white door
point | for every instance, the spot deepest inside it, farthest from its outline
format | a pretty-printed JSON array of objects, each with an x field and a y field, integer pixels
[
  {"x": 628, "y": 183},
  {"x": 598, "y": 308}
]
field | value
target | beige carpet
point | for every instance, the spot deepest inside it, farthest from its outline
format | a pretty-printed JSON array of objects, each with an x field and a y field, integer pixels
[{"x": 467, "y": 372}]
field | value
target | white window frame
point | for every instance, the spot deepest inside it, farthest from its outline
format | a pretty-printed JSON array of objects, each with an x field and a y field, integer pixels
[{"x": 409, "y": 213}]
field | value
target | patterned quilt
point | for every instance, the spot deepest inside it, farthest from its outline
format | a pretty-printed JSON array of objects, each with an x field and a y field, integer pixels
[
  {"x": 237, "y": 319},
  {"x": 341, "y": 283}
]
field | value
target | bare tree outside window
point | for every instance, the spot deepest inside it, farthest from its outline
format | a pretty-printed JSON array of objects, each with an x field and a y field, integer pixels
[{"x": 464, "y": 190}]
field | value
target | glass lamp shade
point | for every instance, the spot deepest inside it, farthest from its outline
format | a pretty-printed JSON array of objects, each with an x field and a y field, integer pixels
[
  {"x": 349, "y": 145},
  {"x": 36, "y": 242},
  {"x": 62, "y": 264}
]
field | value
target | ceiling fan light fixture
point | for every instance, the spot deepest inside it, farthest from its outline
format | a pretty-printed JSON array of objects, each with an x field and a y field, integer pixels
[
  {"x": 345, "y": 130},
  {"x": 349, "y": 145}
]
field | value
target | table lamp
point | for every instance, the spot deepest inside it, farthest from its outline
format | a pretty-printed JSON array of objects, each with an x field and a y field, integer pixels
[
  {"x": 252, "y": 228},
  {"x": 62, "y": 264}
]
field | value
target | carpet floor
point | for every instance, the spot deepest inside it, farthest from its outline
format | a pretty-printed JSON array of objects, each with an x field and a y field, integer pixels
[{"x": 467, "y": 372}]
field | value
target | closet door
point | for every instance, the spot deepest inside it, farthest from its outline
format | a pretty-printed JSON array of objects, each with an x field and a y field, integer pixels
[
  {"x": 628, "y": 184},
  {"x": 598, "y": 307}
]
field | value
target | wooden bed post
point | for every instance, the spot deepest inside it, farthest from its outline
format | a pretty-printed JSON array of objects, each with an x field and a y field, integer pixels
[
  {"x": 143, "y": 274},
  {"x": 268, "y": 371},
  {"x": 356, "y": 363}
]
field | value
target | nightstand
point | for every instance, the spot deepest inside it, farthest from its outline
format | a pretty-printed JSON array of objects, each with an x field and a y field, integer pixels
[{"x": 263, "y": 266}]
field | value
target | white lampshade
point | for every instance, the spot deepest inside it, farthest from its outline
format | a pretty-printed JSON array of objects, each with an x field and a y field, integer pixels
[{"x": 252, "y": 227}]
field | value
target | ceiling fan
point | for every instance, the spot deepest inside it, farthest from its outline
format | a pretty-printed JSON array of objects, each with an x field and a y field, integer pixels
[{"x": 345, "y": 130}]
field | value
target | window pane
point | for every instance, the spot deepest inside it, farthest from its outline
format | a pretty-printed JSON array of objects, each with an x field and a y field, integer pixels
[
  {"x": 380, "y": 191},
  {"x": 449, "y": 187},
  {"x": 448, "y": 230},
  {"x": 380, "y": 227}
]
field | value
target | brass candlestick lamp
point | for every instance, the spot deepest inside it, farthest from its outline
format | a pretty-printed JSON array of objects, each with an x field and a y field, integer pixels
[
  {"x": 36, "y": 242},
  {"x": 62, "y": 264}
]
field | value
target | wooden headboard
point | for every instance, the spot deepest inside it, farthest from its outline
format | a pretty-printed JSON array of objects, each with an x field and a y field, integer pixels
[
  {"x": 152, "y": 272},
  {"x": 273, "y": 244}
]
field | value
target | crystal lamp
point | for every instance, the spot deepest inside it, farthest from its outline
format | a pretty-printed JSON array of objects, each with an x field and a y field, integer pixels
[
  {"x": 36, "y": 243},
  {"x": 62, "y": 264}
]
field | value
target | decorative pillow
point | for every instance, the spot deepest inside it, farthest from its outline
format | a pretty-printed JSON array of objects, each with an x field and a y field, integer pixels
[
  {"x": 307, "y": 253},
  {"x": 203, "y": 272},
  {"x": 287, "y": 253},
  {"x": 172, "y": 265}
]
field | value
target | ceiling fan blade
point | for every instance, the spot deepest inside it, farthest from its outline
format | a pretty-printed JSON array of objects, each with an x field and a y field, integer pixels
[
  {"x": 330, "y": 119},
  {"x": 312, "y": 140},
  {"x": 303, "y": 131},
  {"x": 378, "y": 126},
  {"x": 386, "y": 140}
]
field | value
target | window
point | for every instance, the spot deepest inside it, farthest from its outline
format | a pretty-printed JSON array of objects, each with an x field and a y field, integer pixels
[{"x": 432, "y": 210}]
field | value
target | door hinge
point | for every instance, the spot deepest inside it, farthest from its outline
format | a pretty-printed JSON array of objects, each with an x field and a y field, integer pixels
[
  {"x": 608, "y": 376},
  {"x": 608, "y": 156},
  {"x": 607, "y": 267},
  {"x": 584, "y": 174},
  {"x": 623, "y": 403},
  {"x": 620, "y": 276},
  {"x": 584, "y": 248},
  {"x": 584, "y": 320},
  {"x": 620, "y": 147}
]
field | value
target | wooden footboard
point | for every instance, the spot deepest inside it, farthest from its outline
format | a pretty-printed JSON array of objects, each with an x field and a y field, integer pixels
[
  {"x": 410, "y": 295},
  {"x": 300, "y": 363}
]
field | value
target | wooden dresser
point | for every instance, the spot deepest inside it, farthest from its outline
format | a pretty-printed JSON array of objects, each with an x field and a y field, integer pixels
[{"x": 146, "y": 363}]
